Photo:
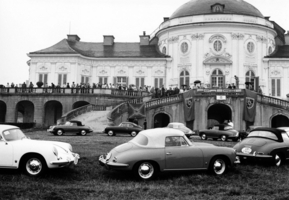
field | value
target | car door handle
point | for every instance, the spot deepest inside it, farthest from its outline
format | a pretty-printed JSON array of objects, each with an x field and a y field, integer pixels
[{"x": 169, "y": 153}]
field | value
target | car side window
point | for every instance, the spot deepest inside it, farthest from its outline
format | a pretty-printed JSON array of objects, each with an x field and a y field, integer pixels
[
  {"x": 173, "y": 141},
  {"x": 215, "y": 128}
]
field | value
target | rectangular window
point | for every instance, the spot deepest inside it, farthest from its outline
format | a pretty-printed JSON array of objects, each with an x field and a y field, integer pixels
[
  {"x": 139, "y": 82},
  {"x": 103, "y": 80},
  {"x": 122, "y": 81},
  {"x": 159, "y": 82},
  {"x": 62, "y": 80},
  {"x": 43, "y": 78},
  {"x": 84, "y": 79},
  {"x": 276, "y": 87}
]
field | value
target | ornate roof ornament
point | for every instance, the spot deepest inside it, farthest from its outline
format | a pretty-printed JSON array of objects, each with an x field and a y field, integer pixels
[
  {"x": 173, "y": 39},
  {"x": 197, "y": 36},
  {"x": 261, "y": 39}
]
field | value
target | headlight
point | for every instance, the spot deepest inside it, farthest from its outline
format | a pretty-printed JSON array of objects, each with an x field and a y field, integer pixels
[
  {"x": 55, "y": 152},
  {"x": 108, "y": 156}
]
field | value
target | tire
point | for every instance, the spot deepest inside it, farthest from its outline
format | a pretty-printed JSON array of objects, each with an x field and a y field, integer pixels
[
  {"x": 218, "y": 166},
  {"x": 59, "y": 132},
  {"x": 277, "y": 160},
  {"x": 145, "y": 170},
  {"x": 34, "y": 165},
  {"x": 110, "y": 133},
  {"x": 133, "y": 134},
  {"x": 224, "y": 138},
  {"x": 203, "y": 136},
  {"x": 83, "y": 132}
]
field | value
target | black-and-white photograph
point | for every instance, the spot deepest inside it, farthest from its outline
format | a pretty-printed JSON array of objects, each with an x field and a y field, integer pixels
[{"x": 131, "y": 99}]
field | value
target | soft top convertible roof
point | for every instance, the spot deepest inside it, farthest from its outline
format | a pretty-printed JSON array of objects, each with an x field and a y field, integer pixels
[{"x": 277, "y": 132}]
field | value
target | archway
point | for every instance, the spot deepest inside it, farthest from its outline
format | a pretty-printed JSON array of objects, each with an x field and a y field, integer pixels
[
  {"x": 218, "y": 113},
  {"x": 52, "y": 112},
  {"x": 25, "y": 112},
  {"x": 79, "y": 104},
  {"x": 161, "y": 120},
  {"x": 279, "y": 121},
  {"x": 3, "y": 109}
]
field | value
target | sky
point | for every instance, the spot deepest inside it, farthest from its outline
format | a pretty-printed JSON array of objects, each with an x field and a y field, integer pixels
[{"x": 31, "y": 25}]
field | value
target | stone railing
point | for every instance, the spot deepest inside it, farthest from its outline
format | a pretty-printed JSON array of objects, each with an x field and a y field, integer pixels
[
  {"x": 164, "y": 101},
  {"x": 213, "y": 92},
  {"x": 81, "y": 110},
  {"x": 280, "y": 103},
  {"x": 73, "y": 91}
]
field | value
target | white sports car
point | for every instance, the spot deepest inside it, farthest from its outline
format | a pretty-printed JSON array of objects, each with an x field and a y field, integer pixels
[{"x": 32, "y": 156}]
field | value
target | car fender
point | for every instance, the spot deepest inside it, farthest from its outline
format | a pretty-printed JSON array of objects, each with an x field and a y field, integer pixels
[{"x": 211, "y": 152}]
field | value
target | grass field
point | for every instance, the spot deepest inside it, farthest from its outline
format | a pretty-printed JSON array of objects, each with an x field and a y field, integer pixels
[{"x": 88, "y": 180}]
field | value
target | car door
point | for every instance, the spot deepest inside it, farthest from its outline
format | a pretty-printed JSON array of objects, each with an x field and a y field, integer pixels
[
  {"x": 74, "y": 128},
  {"x": 214, "y": 132},
  {"x": 179, "y": 155},
  {"x": 6, "y": 153}
]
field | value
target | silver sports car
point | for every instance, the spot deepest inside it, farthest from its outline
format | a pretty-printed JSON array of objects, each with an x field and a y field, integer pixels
[{"x": 166, "y": 149}]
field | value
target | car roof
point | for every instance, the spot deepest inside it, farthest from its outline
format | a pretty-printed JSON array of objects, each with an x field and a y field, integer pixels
[
  {"x": 5, "y": 127},
  {"x": 276, "y": 131},
  {"x": 156, "y": 137}
]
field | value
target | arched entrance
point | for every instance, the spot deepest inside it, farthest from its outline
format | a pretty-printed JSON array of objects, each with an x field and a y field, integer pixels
[
  {"x": 161, "y": 120},
  {"x": 79, "y": 104},
  {"x": 3, "y": 109},
  {"x": 279, "y": 121},
  {"x": 218, "y": 113},
  {"x": 52, "y": 112},
  {"x": 25, "y": 112}
]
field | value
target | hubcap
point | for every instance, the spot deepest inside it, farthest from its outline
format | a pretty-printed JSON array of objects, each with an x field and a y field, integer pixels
[
  {"x": 146, "y": 170},
  {"x": 33, "y": 166},
  {"x": 277, "y": 160},
  {"x": 59, "y": 132},
  {"x": 133, "y": 133},
  {"x": 203, "y": 136},
  {"x": 110, "y": 133},
  {"x": 83, "y": 132},
  {"x": 223, "y": 138},
  {"x": 219, "y": 166}
]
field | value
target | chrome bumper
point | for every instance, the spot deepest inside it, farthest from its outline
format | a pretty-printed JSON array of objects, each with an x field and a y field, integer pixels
[{"x": 67, "y": 161}]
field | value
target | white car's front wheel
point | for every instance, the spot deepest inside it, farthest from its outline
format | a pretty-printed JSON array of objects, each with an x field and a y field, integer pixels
[
  {"x": 218, "y": 166},
  {"x": 145, "y": 170},
  {"x": 34, "y": 165}
]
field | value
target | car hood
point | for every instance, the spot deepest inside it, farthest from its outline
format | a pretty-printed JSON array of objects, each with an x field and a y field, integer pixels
[{"x": 44, "y": 143}]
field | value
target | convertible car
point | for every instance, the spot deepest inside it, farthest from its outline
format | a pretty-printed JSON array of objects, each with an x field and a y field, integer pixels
[
  {"x": 166, "y": 149},
  {"x": 220, "y": 131},
  {"x": 32, "y": 156},
  {"x": 180, "y": 126},
  {"x": 124, "y": 127},
  {"x": 267, "y": 145},
  {"x": 70, "y": 127}
]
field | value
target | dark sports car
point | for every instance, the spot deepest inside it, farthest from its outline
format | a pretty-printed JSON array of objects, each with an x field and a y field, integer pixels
[
  {"x": 268, "y": 145},
  {"x": 124, "y": 127},
  {"x": 220, "y": 131},
  {"x": 70, "y": 127}
]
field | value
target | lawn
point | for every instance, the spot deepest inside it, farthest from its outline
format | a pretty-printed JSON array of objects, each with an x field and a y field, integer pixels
[{"x": 88, "y": 180}]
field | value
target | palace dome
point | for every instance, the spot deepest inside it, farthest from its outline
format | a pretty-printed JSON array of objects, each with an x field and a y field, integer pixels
[{"x": 203, "y": 7}]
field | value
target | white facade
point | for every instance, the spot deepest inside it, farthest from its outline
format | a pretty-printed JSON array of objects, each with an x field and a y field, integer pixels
[{"x": 212, "y": 48}]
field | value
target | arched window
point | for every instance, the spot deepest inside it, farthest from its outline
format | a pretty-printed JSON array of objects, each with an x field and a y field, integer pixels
[
  {"x": 250, "y": 77},
  {"x": 250, "y": 47},
  {"x": 164, "y": 50},
  {"x": 269, "y": 50},
  {"x": 217, "y": 45},
  {"x": 184, "y": 78},
  {"x": 218, "y": 79}
]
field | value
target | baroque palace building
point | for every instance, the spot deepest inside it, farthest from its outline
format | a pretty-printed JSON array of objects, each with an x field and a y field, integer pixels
[{"x": 211, "y": 41}]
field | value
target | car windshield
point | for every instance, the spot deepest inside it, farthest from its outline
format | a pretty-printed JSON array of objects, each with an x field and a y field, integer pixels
[
  {"x": 265, "y": 134},
  {"x": 13, "y": 134}
]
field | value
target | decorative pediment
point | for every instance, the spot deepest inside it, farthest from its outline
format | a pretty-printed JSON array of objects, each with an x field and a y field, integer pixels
[
  {"x": 237, "y": 36},
  {"x": 62, "y": 68},
  {"x": 43, "y": 68},
  {"x": 197, "y": 36},
  {"x": 217, "y": 60},
  {"x": 217, "y": 37},
  {"x": 103, "y": 72},
  {"x": 262, "y": 39},
  {"x": 85, "y": 71},
  {"x": 173, "y": 39}
]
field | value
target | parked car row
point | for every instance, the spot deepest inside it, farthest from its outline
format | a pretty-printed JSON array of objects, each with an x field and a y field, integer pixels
[{"x": 150, "y": 151}]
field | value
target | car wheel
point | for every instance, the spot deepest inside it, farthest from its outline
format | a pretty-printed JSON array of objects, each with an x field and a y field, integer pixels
[
  {"x": 133, "y": 134},
  {"x": 59, "y": 132},
  {"x": 203, "y": 136},
  {"x": 110, "y": 133},
  {"x": 34, "y": 165},
  {"x": 224, "y": 138},
  {"x": 218, "y": 166},
  {"x": 145, "y": 170},
  {"x": 277, "y": 160},
  {"x": 83, "y": 132}
]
